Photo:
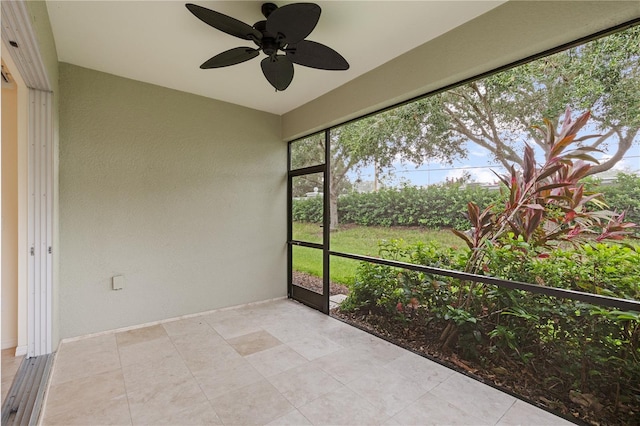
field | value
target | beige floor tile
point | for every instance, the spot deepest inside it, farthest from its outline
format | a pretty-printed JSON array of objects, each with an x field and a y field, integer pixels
[
  {"x": 522, "y": 413},
  {"x": 185, "y": 372},
  {"x": 463, "y": 392},
  {"x": 314, "y": 346},
  {"x": 80, "y": 360},
  {"x": 391, "y": 422},
  {"x": 293, "y": 418},
  {"x": 99, "y": 399},
  {"x": 230, "y": 324},
  {"x": 288, "y": 330},
  {"x": 432, "y": 410},
  {"x": 347, "y": 365},
  {"x": 379, "y": 349},
  {"x": 265, "y": 314},
  {"x": 422, "y": 370},
  {"x": 189, "y": 326},
  {"x": 89, "y": 345},
  {"x": 109, "y": 413},
  {"x": 342, "y": 407},
  {"x": 276, "y": 360},
  {"x": 140, "y": 335},
  {"x": 147, "y": 351},
  {"x": 10, "y": 363},
  {"x": 211, "y": 359},
  {"x": 253, "y": 342},
  {"x": 165, "y": 371},
  {"x": 186, "y": 343},
  {"x": 10, "y": 366},
  {"x": 223, "y": 315},
  {"x": 256, "y": 404},
  {"x": 345, "y": 335},
  {"x": 201, "y": 413},
  {"x": 164, "y": 402},
  {"x": 304, "y": 384},
  {"x": 235, "y": 375},
  {"x": 387, "y": 390}
]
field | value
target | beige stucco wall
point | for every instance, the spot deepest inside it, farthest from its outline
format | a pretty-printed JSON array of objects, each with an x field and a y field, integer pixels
[
  {"x": 184, "y": 196},
  {"x": 510, "y": 32},
  {"x": 9, "y": 217}
]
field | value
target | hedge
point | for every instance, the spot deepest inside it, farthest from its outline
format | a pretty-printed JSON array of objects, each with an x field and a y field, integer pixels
[
  {"x": 444, "y": 206},
  {"x": 436, "y": 206}
]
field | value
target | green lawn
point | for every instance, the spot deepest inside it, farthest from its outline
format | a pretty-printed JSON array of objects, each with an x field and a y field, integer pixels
[{"x": 357, "y": 240}]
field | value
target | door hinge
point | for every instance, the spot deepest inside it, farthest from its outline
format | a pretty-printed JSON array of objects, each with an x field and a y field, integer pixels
[
  {"x": 50, "y": 251},
  {"x": 33, "y": 251}
]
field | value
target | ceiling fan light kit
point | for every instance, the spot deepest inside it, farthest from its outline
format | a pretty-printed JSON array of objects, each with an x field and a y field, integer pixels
[{"x": 281, "y": 37}]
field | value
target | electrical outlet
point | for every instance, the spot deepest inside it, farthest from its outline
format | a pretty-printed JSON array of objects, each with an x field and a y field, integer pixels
[{"x": 117, "y": 282}]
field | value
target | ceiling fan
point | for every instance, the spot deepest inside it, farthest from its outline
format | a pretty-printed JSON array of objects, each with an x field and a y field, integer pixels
[{"x": 281, "y": 37}]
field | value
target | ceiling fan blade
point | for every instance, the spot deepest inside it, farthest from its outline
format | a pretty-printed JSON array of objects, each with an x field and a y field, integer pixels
[
  {"x": 231, "y": 57},
  {"x": 278, "y": 70},
  {"x": 224, "y": 23},
  {"x": 294, "y": 21},
  {"x": 316, "y": 55}
]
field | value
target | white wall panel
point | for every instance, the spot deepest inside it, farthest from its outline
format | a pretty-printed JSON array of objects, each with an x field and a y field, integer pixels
[{"x": 40, "y": 218}]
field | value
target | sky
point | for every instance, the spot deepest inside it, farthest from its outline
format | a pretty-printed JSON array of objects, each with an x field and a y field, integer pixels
[{"x": 478, "y": 165}]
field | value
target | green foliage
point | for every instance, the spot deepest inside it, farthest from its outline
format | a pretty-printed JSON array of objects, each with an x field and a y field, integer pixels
[
  {"x": 546, "y": 204},
  {"x": 436, "y": 206},
  {"x": 444, "y": 206},
  {"x": 357, "y": 240},
  {"x": 622, "y": 195},
  {"x": 602, "y": 76},
  {"x": 599, "y": 268},
  {"x": 581, "y": 348},
  {"x": 308, "y": 210}
]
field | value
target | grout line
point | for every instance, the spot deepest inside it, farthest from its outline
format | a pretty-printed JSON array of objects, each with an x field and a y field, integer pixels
[
  {"x": 191, "y": 372},
  {"x": 506, "y": 411},
  {"x": 124, "y": 381}
]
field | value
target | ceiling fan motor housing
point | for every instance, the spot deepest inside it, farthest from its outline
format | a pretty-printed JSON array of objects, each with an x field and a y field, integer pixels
[
  {"x": 269, "y": 44},
  {"x": 267, "y": 8}
]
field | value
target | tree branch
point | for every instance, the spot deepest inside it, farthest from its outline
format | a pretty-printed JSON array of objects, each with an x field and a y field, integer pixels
[
  {"x": 623, "y": 146},
  {"x": 603, "y": 138}
]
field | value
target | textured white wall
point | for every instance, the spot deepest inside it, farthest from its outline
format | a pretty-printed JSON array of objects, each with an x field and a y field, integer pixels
[{"x": 184, "y": 196}]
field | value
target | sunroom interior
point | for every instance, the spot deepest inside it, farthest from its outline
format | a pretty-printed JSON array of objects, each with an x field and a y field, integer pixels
[{"x": 181, "y": 192}]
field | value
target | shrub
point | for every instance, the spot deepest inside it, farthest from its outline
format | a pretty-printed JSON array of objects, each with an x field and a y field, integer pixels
[
  {"x": 308, "y": 210},
  {"x": 623, "y": 195},
  {"x": 445, "y": 205},
  {"x": 436, "y": 206},
  {"x": 573, "y": 347}
]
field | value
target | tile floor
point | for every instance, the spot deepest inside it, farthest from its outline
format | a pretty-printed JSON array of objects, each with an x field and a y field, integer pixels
[
  {"x": 10, "y": 365},
  {"x": 272, "y": 363}
]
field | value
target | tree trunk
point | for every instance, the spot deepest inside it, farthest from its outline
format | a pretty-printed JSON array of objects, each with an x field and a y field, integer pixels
[
  {"x": 375, "y": 176},
  {"x": 333, "y": 210}
]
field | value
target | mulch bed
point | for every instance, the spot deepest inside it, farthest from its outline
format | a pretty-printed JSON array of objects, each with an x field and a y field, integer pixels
[{"x": 314, "y": 284}]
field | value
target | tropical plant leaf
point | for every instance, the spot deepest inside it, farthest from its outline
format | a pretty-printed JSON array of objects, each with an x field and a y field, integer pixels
[{"x": 464, "y": 237}]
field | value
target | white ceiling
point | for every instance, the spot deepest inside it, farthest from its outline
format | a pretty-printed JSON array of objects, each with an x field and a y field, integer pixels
[{"x": 161, "y": 42}]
